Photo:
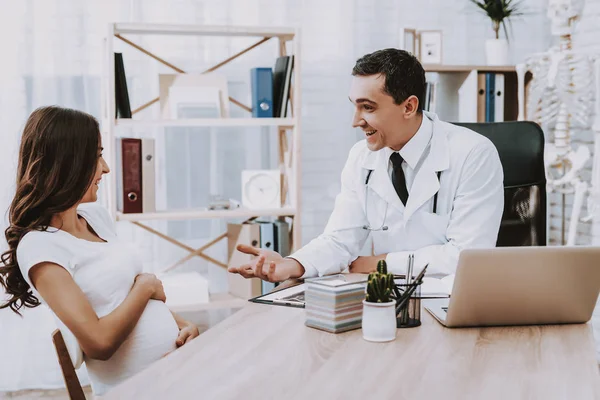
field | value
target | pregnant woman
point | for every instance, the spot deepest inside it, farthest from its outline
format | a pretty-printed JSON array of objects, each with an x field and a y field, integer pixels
[{"x": 63, "y": 250}]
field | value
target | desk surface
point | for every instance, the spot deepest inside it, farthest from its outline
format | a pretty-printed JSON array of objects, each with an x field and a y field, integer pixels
[{"x": 264, "y": 352}]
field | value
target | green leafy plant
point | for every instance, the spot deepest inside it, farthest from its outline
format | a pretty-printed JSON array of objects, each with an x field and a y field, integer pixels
[
  {"x": 380, "y": 287},
  {"x": 499, "y": 11}
]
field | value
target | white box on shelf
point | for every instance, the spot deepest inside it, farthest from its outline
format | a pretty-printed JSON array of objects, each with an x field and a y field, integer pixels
[
  {"x": 194, "y": 102},
  {"x": 190, "y": 89},
  {"x": 184, "y": 289}
]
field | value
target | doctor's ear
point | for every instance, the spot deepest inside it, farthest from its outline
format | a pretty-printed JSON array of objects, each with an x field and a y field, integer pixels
[{"x": 410, "y": 106}]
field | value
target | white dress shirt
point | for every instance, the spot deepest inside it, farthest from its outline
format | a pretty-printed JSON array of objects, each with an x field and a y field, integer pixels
[{"x": 412, "y": 153}]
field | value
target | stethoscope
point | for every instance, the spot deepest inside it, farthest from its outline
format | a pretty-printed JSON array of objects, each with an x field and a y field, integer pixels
[{"x": 383, "y": 226}]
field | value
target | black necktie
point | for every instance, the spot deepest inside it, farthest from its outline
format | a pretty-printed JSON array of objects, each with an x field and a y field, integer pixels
[{"x": 398, "y": 178}]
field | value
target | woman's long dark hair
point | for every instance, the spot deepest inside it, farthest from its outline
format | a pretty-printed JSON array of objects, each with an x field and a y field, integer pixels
[{"x": 58, "y": 158}]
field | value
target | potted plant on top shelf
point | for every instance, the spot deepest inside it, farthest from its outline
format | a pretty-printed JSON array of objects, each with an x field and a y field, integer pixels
[
  {"x": 379, "y": 306},
  {"x": 500, "y": 12}
]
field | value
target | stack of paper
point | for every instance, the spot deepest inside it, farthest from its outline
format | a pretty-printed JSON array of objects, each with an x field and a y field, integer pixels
[{"x": 334, "y": 304}]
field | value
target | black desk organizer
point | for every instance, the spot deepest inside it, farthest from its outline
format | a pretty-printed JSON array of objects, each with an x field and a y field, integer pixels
[{"x": 408, "y": 304}]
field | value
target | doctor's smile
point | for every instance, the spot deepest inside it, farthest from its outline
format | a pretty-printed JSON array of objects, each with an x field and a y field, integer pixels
[{"x": 371, "y": 138}]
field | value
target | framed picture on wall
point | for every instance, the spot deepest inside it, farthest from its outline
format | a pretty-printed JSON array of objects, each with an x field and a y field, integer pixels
[
  {"x": 408, "y": 40},
  {"x": 430, "y": 47}
]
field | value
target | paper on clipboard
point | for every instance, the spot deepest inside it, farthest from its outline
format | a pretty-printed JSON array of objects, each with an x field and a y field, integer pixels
[{"x": 294, "y": 296}]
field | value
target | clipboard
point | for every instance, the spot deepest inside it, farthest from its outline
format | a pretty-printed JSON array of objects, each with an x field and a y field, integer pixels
[{"x": 293, "y": 296}]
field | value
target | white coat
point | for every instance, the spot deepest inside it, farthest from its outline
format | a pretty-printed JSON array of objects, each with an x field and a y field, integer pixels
[{"x": 470, "y": 203}]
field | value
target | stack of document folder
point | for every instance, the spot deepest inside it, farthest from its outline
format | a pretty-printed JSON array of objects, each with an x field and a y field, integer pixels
[{"x": 334, "y": 304}]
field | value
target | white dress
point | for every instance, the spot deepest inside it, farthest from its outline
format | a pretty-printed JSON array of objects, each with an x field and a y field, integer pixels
[{"x": 105, "y": 272}]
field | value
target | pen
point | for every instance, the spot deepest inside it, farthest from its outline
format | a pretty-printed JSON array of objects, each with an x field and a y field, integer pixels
[
  {"x": 409, "y": 272},
  {"x": 411, "y": 267},
  {"x": 287, "y": 302},
  {"x": 406, "y": 277}
]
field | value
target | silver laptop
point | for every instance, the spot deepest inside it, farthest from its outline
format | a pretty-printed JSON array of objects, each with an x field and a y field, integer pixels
[{"x": 521, "y": 286}]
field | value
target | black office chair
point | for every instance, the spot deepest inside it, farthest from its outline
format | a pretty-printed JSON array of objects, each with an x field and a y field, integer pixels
[{"x": 521, "y": 149}]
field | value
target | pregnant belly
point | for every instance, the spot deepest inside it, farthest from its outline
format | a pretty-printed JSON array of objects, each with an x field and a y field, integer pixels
[{"x": 153, "y": 337}]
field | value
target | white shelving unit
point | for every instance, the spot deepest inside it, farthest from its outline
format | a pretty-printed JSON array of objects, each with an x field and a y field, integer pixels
[
  {"x": 216, "y": 122},
  {"x": 203, "y": 30},
  {"x": 289, "y": 157},
  {"x": 199, "y": 214}
]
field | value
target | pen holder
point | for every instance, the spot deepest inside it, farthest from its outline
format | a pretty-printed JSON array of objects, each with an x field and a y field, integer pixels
[{"x": 408, "y": 305}]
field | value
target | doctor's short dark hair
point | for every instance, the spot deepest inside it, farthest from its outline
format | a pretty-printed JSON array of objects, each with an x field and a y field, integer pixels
[{"x": 404, "y": 74}]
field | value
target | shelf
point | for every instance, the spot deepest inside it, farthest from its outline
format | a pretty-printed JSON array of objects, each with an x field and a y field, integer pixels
[
  {"x": 217, "y": 301},
  {"x": 469, "y": 68},
  {"x": 250, "y": 37},
  {"x": 214, "y": 122},
  {"x": 205, "y": 214},
  {"x": 204, "y": 30}
]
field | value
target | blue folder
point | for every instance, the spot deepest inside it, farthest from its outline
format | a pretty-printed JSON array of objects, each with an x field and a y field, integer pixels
[
  {"x": 262, "y": 92},
  {"x": 490, "y": 96}
]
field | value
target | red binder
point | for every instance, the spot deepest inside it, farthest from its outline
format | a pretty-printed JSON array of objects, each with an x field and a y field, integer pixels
[{"x": 132, "y": 175}]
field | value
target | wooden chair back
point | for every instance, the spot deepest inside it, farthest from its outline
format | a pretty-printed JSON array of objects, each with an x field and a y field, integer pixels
[{"x": 68, "y": 371}]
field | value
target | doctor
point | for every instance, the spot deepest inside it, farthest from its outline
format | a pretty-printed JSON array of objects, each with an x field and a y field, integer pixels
[{"x": 416, "y": 184}]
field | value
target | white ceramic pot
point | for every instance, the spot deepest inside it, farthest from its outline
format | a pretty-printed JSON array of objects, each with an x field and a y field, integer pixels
[
  {"x": 496, "y": 52},
  {"x": 379, "y": 321}
]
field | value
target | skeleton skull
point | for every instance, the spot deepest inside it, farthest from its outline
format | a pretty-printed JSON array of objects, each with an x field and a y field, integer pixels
[{"x": 563, "y": 14}]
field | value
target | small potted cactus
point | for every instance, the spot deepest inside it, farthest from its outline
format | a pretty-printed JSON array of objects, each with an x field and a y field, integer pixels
[{"x": 379, "y": 312}]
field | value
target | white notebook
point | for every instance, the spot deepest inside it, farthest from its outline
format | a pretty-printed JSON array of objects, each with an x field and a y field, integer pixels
[
  {"x": 434, "y": 287},
  {"x": 437, "y": 287}
]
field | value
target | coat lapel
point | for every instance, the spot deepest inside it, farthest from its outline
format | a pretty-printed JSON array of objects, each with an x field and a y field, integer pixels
[
  {"x": 380, "y": 181},
  {"x": 424, "y": 187},
  {"x": 426, "y": 184}
]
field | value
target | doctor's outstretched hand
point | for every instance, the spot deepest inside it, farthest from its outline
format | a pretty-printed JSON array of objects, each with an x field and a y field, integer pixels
[{"x": 268, "y": 265}]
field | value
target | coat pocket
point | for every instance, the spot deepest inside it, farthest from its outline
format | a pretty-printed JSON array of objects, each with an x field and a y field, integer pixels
[{"x": 429, "y": 229}]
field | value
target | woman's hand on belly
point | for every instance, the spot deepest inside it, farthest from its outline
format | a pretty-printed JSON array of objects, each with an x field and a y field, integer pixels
[
  {"x": 187, "y": 330},
  {"x": 187, "y": 333},
  {"x": 153, "y": 285}
]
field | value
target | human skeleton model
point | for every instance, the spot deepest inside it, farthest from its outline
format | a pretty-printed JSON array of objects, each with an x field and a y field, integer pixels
[{"x": 560, "y": 100}]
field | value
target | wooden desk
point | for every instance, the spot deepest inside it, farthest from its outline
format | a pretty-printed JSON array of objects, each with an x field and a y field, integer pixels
[{"x": 266, "y": 352}]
